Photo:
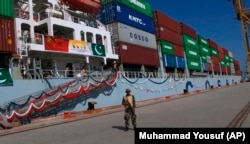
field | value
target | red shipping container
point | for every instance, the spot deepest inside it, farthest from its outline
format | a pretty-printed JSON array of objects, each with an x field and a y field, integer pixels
[
  {"x": 220, "y": 49},
  {"x": 221, "y": 56},
  {"x": 166, "y": 21},
  {"x": 223, "y": 69},
  {"x": 7, "y": 36},
  {"x": 185, "y": 29},
  {"x": 133, "y": 54},
  {"x": 215, "y": 60},
  {"x": 178, "y": 50},
  {"x": 163, "y": 33},
  {"x": 228, "y": 70},
  {"x": 216, "y": 67},
  {"x": 226, "y": 52},
  {"x": 212, "y": 44}
]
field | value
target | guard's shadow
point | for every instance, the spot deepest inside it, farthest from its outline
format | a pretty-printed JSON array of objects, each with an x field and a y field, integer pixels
[{"x": 119, "y": 127}]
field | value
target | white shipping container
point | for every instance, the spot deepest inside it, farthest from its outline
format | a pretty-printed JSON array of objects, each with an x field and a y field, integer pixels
[
  {"x": 232, "y": 65},
  {"x": 131, "y": 35},
  {"x": 230, "y": 54},
  {"x": 232, "y": 70}
]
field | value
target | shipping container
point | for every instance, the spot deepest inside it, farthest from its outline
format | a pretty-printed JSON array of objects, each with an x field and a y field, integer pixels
[
  {"x": 228, "y": 70},
  {"x": 187, "y": 30},
  {"x": 230, "y": 54},
  {"x": 221, "y": 56},
  {"x": 220, "y": 49},
  {"x": 133, "y": 54},
  {"x": 204, "y": 58},
  {"x": 137, "y": 5},
  {"x": 222, "y": 63},
  {"x": 178, "y": 50},
  {"x": 205, "y": 67},
  {"x": 128, "y": 34},
  {"x": 192, "y": 53},
  {"x": 227, "y": 58},
  {"x": 189, "y": 41},
  {"x": 214, "y": 52},
  {"x": 231, "y": 59},
  {"x": 163, "y": 33},
  {"x": 7, "y": 36},
  {"x": 180, "y": 62},
  {"x": 7, "y": 8},
  {"x": 166, "y": 21},
  {"x": 166, "y": 47},
  {"x": 115, "y": 12},
  {"x": 223, "y": 69},
  {"x": 193, "y": 64},
  {"x": 169, "y": 60},
  {"x": 212, "y": 44},
  {"x": 215, "y": 60},
  {"x": 216, "y": 67},
  {"x": 202, "y": 41},
  {"x": 204, "y": 50},
  {"x": 226, "y": 52}
]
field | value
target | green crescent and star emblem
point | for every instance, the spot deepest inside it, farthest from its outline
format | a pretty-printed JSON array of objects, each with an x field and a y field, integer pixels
[
  {"x": 98, "y": 49},
  {"x": 5, "y": 77}
]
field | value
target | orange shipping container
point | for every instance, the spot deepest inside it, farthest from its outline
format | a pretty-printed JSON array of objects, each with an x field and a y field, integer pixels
[{"x": 7, "y": 36}]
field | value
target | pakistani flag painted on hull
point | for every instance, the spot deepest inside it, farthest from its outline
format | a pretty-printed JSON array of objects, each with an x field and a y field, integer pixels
[
  {"x": 5, "y": 77},
  {"x": 98, "y": 49}
]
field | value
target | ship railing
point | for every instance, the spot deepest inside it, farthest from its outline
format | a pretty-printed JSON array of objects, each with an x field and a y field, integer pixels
[
  {"x": 19, "y": 13},
  {"x": 85, "y": 22}
]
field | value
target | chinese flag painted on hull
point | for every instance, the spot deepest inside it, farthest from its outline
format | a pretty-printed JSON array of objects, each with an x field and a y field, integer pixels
[{"x": 56, "y": 44}]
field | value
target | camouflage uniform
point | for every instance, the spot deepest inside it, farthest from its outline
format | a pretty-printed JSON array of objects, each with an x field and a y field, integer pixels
[{"x": 129, "y": 103}]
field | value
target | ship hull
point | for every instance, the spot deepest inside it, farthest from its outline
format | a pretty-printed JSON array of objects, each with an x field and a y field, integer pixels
[{"x": 110, "y": 94}]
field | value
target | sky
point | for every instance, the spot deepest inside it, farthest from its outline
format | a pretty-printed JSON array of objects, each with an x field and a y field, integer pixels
[{"x": 212, "y": 19}]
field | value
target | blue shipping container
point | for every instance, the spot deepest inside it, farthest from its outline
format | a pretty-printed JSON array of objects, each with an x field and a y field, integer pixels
[
  {"x": 205, "y": 66},
  {"x": 169, "y": 60},
  {"x": 115, "y": 12},
  {"x": 180, "y": 62}
]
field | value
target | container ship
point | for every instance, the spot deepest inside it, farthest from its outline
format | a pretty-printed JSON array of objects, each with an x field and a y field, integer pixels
[{"x": 63, "y": 55}]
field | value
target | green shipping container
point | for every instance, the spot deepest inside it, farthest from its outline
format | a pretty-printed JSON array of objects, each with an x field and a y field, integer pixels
[
  {"x": 205, "y": 50},
  {"x": 192, "y": 53},
  {"x": 214, "y": 52},
  {"x": 137, "y": 5},
  {"x": 191, "y": 42},
  {"x": 231, "y": 60},
  {"x": 202, "y": 41},
  {"x": 227, "y": 58},
  {"x": 204, "y": 58},
  {"x": 193, "y": 64},
  {"x": 7, "y": 8},
  {"x": 166, "y": 47},
  {"x": 222, "y": 63}
]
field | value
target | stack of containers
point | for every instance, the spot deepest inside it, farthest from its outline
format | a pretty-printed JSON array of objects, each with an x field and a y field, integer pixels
[
  {"x": 133, "y": 33},
  {"x": 230, "y": 54},
  {"x": 214, "y": 57},
  {"x": 7, "y": 33},
  {"x": 227, "y": 61},
  {"x": 237, "y": 67},
  {"x": 204, "y": 52},
  {"x": 191, "y": 47},
  {"x": 169, "y": 39},
  {"x": 222, "y": 59}
]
